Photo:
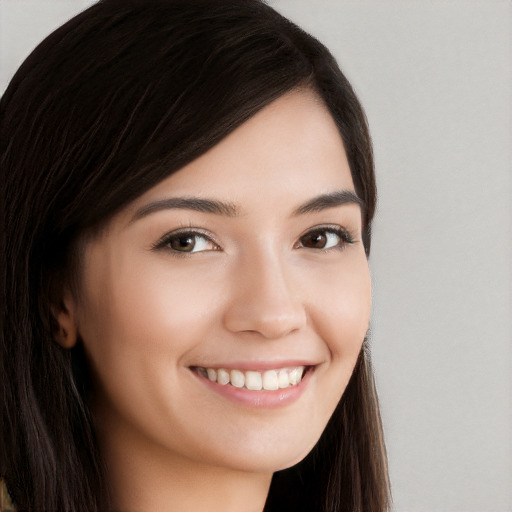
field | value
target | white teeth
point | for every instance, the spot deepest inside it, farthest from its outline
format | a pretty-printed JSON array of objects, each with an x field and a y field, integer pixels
[
  {"x": 222, "y": 377},
  {"x": 269, "y": 380},
  {"x": 284, "y": 380},
  {"x": 253, "y": 381},
  {"x": 237, "y": 379},
  {"x": 296, "y": 375}
]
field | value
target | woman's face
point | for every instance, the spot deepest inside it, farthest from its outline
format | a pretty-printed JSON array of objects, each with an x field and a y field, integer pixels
[{"x": 247, "y": 265}]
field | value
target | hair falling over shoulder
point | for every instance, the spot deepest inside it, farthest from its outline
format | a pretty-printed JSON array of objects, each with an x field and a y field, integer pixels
[{"x": 107, "y": 106}]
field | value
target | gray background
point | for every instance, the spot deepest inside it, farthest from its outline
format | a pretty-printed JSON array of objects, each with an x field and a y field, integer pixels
[{"x": 435, "y": 78}]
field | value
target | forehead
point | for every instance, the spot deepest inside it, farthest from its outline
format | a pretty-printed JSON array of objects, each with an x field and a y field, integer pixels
[{"x": 289, "y": 151}]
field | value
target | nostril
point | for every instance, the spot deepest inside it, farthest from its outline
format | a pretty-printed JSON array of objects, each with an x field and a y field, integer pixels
[{"x": 269, "y": 326}]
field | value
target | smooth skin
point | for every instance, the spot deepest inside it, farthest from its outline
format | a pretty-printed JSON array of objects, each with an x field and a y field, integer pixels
[{"x": 256, "y": 282}]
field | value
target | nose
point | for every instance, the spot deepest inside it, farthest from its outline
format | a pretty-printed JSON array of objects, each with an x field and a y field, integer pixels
[{"x": 263, "y": 301}]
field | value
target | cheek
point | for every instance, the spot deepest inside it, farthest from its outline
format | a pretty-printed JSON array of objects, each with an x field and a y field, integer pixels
[
  {"x": 146, "y": 308},
  {"x": 137, "y": 329},
  {"x": 140, "y": 322},
  {"x": 341, "y": 311}
]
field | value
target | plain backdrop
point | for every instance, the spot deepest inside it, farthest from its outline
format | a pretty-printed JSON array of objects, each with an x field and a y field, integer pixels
[{"x": 435, "y": 78}]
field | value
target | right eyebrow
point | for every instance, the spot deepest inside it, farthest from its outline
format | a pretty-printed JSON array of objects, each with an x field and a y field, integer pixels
[{"x": 188, "y": 203}]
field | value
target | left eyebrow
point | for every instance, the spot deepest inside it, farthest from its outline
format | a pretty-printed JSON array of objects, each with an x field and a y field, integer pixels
[{"x": 324, "y": 201}]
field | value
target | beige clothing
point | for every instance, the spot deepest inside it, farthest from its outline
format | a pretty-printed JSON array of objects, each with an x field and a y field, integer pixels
[{"x": 6, "y": 504}]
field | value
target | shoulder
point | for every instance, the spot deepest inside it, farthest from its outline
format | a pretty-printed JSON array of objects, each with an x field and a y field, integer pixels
[{"x": 5, "y": 500}]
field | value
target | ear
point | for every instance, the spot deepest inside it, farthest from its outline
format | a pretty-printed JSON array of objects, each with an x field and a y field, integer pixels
[{"x": 65, "y": 326}]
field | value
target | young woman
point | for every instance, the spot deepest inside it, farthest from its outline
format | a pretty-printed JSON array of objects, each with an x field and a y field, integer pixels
[{"x": 188, "y": 189}]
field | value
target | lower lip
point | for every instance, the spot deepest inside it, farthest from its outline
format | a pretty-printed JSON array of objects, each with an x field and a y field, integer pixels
[{"x": 259, "y": 399}]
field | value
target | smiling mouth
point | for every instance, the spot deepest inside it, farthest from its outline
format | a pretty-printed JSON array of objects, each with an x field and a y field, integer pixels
[{"x": 269, "y": 380}]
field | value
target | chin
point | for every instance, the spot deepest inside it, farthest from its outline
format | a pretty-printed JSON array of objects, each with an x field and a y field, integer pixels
[{"x": 261, "y": 455}]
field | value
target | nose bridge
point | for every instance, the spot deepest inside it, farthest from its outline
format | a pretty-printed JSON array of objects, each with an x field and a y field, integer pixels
[{"x": 265, "y": 298}]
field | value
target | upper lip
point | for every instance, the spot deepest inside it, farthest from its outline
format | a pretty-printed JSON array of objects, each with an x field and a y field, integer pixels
[{"x": 258, "y": 365}]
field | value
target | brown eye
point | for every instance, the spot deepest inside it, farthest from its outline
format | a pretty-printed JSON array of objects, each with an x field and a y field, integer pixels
[
  {"x": 325, "y": 238},
  {"x": 184, "y": 243},
  {"x": 316, "y": 240}
]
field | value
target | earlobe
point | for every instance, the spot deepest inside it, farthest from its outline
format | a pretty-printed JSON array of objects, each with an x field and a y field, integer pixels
[{"x": 65, "y": 329}]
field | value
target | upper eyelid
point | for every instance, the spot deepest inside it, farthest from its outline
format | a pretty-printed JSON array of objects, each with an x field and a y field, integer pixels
[
  {"x": 186, "y": 230},
  {"x": 330, "y": 227},
  {"x": 323, "y": 226}
]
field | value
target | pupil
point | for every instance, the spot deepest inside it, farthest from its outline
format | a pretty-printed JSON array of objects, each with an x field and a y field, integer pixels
[
  {"x": 318, "y": 240},
  {"x": 184, "y": 243}
]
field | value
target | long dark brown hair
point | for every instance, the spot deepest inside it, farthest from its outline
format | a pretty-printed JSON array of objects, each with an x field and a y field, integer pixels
[{"x": 111, "y": 103}]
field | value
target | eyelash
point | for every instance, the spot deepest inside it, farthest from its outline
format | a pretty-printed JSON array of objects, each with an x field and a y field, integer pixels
[
  {"x": 189, "y": 232},
  {"x": 345, "y": 238}
]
